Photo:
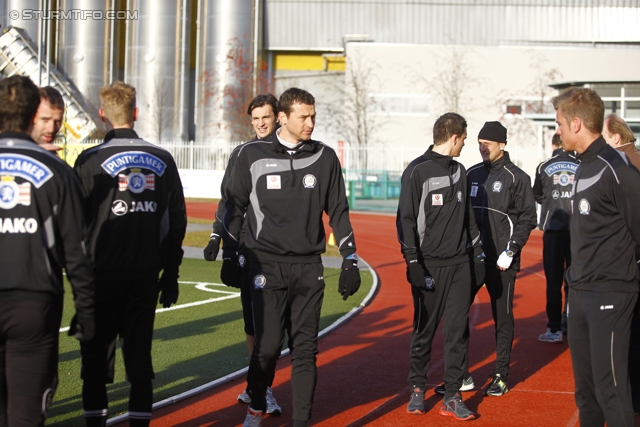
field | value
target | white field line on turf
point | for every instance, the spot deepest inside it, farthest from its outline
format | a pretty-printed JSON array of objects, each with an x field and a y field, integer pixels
[
  {"x": 232, "y": 376},
  {"x": 472, "y": 322},
  {"x": 203, "y": 286}
]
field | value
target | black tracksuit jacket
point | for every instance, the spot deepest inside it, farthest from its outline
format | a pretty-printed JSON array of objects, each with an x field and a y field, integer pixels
[
  {"x": 504, "y": 207},
  {"x": 605, "y": 221},
  {"x": 553, "y": 188},
  {"x": 434, "y": 220},
  {"x": 284, "y": 196},
  {"x": 42, "y": 226},
  {"x": 135, "y": 207}
]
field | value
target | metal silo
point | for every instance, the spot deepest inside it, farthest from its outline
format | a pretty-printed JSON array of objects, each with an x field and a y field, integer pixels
[
  {"x": 156, "y": 64},
  {"x": 19, "y": 14},
  {"x": 86, "y": 48},
  {"x": 223, "y": 26}
]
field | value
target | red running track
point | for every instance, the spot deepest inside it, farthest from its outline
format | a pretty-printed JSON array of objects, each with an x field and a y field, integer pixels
[{"x": 363, "y": 366}]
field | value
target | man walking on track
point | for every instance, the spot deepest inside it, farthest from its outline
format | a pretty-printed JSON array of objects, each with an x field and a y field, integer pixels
[
  {"x": 552, "y": 188},
  {"x": 505, "y": 212},
  {"x": 438, "y": 236},
  {"x": 136, "y": 209},
  {"x": 272, "y": 176},
  {"x": 603, "y": 276},
  {"x": 43, "y": 232},
  {"x": 263, "y": 110}
]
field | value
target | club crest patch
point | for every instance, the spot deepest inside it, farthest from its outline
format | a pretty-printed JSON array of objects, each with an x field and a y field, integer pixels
[
  {"x": 460, "y": 196},
  {"x": 474, "y": 190},
  {"x": 563, "y": 179},
  {"x": 309, "y": 181},
  {"x": 436, "y": 199},
  {"x": 136, "y": 181},
  {"x": 584, "y": 207},
  {"x": 497, "y": 186},
  {"x": 12, "y": 194},
  {"x": 242, "y": 260},
  {"x": 273, "y": 182},
  {"x": 259, "y": 281}
]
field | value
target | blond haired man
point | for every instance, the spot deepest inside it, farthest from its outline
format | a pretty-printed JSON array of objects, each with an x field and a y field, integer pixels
[
  {"x": 603, "y": 276},
  {"x": 136, "y": 214}
]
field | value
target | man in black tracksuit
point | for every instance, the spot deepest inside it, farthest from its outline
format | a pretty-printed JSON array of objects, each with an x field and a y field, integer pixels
[
  {"x": 284, "y": 183},
  {"x": 603, "y": 276},
  {"x": 263, "y": 110},
  {"x": 137, "y": 220},
  {"x": 437, "y": 231},
  {"x": 552, "y": 188},
  {"x": 43, "y": 232},
  {"x": 505, "y": 212}
]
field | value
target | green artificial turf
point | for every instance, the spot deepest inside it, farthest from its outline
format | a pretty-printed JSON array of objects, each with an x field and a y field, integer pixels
[{"x": 192, "y": 346}]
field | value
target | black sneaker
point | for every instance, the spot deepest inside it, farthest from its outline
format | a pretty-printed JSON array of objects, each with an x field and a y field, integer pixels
[
  {"x": 455, "y": 407},
  {"x": 498, "y": 386},
  {"x": 416, "y": 404},
  {"x": 467, "y": 385}
]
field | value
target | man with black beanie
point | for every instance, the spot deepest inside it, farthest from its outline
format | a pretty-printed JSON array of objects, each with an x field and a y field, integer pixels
[{"x": 505, "y": 212}]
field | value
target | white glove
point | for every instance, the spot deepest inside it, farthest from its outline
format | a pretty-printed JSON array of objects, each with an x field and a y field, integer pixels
[{"x": 504, "y": 261}]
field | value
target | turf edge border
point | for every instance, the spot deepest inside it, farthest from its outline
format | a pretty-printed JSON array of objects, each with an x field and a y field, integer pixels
[{"x": 232, "y": 376}]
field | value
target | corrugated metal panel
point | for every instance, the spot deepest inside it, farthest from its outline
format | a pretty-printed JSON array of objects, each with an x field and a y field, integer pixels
[{"x": 315, "y": 24}]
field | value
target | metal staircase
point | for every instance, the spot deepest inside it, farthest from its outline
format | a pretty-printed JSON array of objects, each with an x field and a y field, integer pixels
[{"x": 19, "y": 56}]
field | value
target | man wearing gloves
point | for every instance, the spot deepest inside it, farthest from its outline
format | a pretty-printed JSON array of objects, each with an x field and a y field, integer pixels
[
  {"x": 438, "y": 237},
  {"x": 505, "y": 212},
  {"x": 137, "y": 220},
  {"x": 284, "y": 183},
  {"x": 43, "y": 232}
]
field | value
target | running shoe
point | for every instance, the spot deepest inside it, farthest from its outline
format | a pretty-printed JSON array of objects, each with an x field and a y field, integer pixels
[
  {"x": 272, "y": 406},
  {"x": 554, "y": 337},
  {"x": 498, "y": 386},
  {"x": 416, "y": 404},
  {"x": 253, "y": 419},
  {"x": 244, "y": 397},
  {"x": 467, "y": 385},
  {"x": 455, "y": 407}
]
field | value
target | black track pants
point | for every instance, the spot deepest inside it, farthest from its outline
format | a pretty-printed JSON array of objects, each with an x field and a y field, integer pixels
[
  {"x": 634, "y": 360},
  {"x": 501, "y": 285},
  {"x": 449, "y": 300},
  {"x": 29, "y": 333},
  {"x": 599, "y": 325},
  {"x": 556, "y": 255},
  {"x": 283, "y": 293}
]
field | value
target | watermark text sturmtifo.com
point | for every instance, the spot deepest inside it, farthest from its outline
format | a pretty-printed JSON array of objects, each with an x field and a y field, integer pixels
[{"x": 29, "y": 14}]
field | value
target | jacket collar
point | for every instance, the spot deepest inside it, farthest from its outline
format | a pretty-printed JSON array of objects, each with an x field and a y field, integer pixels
[
  {"x": 498, "y": 164},
  {"x": 16, "y": 135},
  {"x": 627, "y": 148},
  {"x": 120, "y": 134},
  {"x": 438, "y": 158},
  {"x": 310, "y": 145},
  {"x": 593, "y": 150}
]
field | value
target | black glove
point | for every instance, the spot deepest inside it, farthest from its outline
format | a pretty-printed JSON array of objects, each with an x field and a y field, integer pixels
[
  {"x": 349, "y": 281},
  {"x": 231, "y": 272},
  {"x": 479, "y": 270},
  {"x": 211, "y": 251},
  {"x": 418, "y": 277},
  {"x": 168, "y": 285},
  {"x": 83, "y": 327}
]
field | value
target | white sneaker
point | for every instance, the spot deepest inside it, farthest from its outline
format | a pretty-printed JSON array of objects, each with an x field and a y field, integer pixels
[
  {"x": 555, "y": 337},
  {"x": 253, "y": 419},
  {"x": 272, "y": 406},
  {"x": 244, "y": 397}
]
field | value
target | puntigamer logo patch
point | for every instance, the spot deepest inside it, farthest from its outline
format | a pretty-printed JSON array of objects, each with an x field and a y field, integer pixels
[{"x": 133, "y": 159}]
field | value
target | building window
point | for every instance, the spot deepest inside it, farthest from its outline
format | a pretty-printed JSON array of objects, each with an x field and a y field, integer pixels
[{"x": 401, "y": 104}]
